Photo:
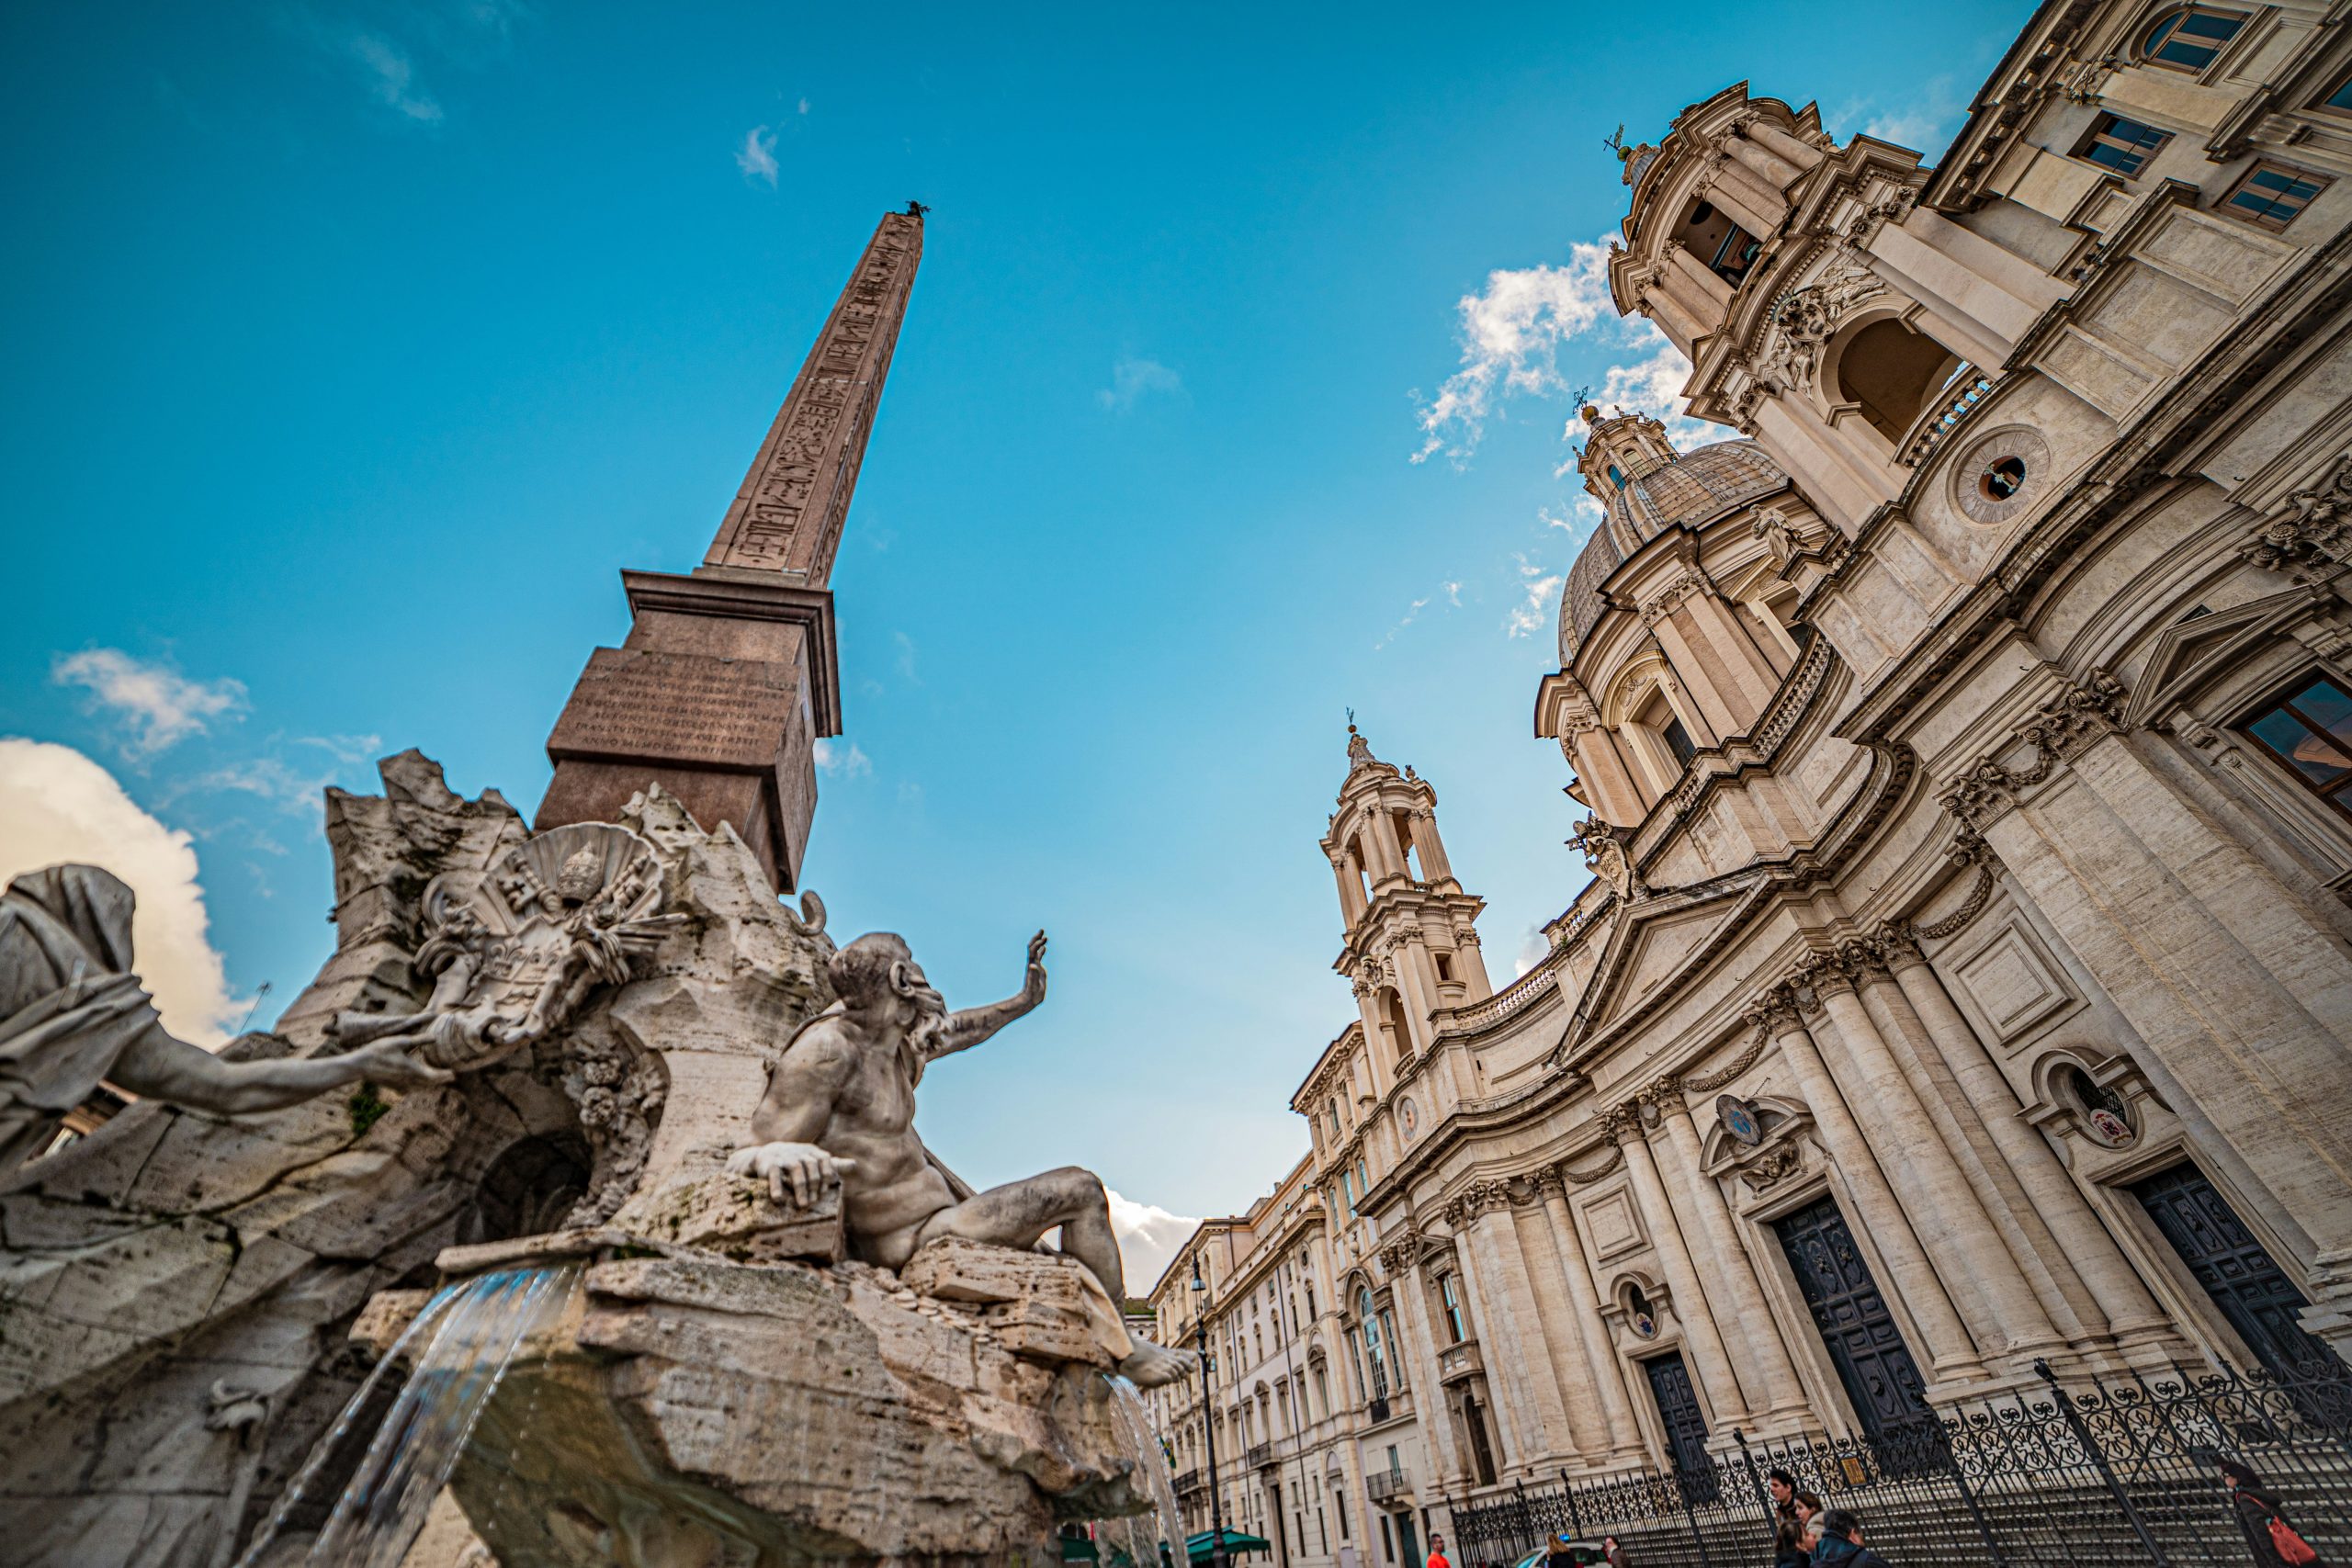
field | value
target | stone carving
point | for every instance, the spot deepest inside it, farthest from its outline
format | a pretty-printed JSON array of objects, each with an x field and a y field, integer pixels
[
  {"x": 1483, "y": 1196},
  {"x": 1604, "y": 856},
  {"x": 1607, "y": 1167},
  {"x": 1779, "y": 535},
  {"x": 73, "y": 1014},
  {"x": 841, "y": 1103},
  {"x": 2309, "y": 536},
  {"x": 1891, "y": 208},
  {"x": 513, "y": 952},
  {"x": 1772, "y": 1166},
  {"x": 1805, "y": 319},
  {"x": 1706, "y": 1083},
  {"x": 2058, "y": 731}
]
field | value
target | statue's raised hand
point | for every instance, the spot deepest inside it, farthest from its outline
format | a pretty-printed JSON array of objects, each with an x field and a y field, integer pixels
[
  {"x": 794, "y": 1173},
  {"x": 1036, "y": 987}
]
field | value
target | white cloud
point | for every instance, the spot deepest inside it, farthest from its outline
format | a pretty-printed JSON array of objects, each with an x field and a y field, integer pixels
[
  {"x": 1511, "y": 334},
  {"x": 906, "y": 660},
  {"x": 288, "y": 789},
  {"x": 346, "y": 748},
  {"x": 1532, "y": 947},
  {"x": 58, "y": 805},
  {"x": 1451, "y": 589},
  {"x": 1149, "y": 1239},
  {"x": 835, "y": 760},
  {"x": 1132, "y": 378},
  {"x": 1925, "y": 121},
  {"x": 756, "y": 157},
  {"x": 391, "y": 77},
  {"x": 803, "y": 106},
  {"x": 156, "y": 705},
  {"x": 1538, "y": 591}
]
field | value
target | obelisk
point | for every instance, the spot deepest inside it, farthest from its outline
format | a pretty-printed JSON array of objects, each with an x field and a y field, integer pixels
[{"x": 728, "y": 675}]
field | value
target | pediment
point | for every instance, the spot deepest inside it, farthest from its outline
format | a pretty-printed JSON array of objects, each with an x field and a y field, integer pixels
[
  {"x": 2189, "y": 653},
  {"x": 1652, "y": 944}
]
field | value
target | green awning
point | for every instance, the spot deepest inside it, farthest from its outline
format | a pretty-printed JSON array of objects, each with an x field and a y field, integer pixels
[{"x": 1197, "y": 1548}]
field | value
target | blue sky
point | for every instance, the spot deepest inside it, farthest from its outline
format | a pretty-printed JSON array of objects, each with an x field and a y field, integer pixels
[{"x": 351, "y": 350}]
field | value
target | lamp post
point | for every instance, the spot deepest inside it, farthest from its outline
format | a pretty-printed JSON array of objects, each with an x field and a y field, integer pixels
[{"x": 1209, "y": 1415}]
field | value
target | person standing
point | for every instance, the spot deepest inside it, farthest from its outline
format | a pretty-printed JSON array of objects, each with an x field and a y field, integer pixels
[
  {"x": 1808, "y": 1506},
  {"x": 1613, "y": 1551},
  {"x": 1788, "y": 1530},
  {"x": 1437, "y": 1553},
  {"x": 1559, "y": 1553},
  {"x": 2269, "y": 1537},
  {"x": 1841, "y": 1542}
]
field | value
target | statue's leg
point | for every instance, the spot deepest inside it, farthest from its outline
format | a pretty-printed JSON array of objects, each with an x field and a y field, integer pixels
[{"x": 1020, "y": 1212}]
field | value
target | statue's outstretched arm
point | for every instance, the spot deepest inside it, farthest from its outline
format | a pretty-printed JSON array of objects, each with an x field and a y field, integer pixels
[
  {"x": 966, "y": 1029},
  {"x": 158, "y": 1066}
]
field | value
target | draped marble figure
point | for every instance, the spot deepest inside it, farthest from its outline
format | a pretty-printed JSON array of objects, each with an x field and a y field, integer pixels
[{"x": 73, "y": 1015}]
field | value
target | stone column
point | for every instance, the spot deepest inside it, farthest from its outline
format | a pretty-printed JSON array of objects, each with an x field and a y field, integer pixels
[
  {"x": 1582, "y": 1288},
  {"x": 1672, "y": 316},
  {"x": 1378, "y": 835},
  {"x": 1768, "y": 165},
  {"x": 1691, "y": 1306},
  {"x": 1770, "y": 1376},
  {"x": 1750, "y": 200},
  {"x": 1701, "y": 294},
  {"x": 1525, "y": 1361},
  {"x": 1548, "y": 1271},
  {"x": 1950, "y": 1355},
  {"x": 1994, "y": 1297},
  {"x": 1433, "y": 862},
  {"x": 1410, "y": 1286},
  {"x": 1795, "y": 150},
  {"x": 2079, "y": 1242},
  {"x": 1352, "y": 904}
]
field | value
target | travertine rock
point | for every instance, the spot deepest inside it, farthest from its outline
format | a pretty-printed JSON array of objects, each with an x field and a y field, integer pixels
[{"x": 766, "y": 1414}]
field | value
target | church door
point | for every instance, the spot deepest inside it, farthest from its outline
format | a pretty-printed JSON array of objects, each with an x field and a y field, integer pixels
[
  {"x": 1882, "y": 1380},
  {"x": 1685, "y": 1423},
  {"x": 2251, "y": 1290}
]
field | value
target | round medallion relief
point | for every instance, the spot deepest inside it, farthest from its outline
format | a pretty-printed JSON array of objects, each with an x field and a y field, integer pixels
[
  {"x": 2001, "y": 475},
  {"x": 1739, "y": 1120},
  {"x": 1409, "y": 1116}
]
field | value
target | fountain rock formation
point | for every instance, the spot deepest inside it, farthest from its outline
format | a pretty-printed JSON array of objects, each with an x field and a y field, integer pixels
[{"x": 190, "y": 1301}]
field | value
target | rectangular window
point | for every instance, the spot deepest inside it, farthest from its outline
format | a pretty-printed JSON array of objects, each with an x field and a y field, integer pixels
[
  {"x": 2190, "y": 37},
  {"x": 2270, "y": 195},
  {"x": 2339, "y": 100},
  {"x": 1678, "y": 740},
  {"x": 1387, "y": 1548},
  {"x": 1449, "y": 1292},
  {"x": 1339, "y": 1507},
  {"x": 2123, "y": 145},
  {"x": 2311, "y": 731}
]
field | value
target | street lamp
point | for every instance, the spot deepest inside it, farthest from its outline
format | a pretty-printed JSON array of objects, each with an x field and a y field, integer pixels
[{"x": 1209, "y": 1415}]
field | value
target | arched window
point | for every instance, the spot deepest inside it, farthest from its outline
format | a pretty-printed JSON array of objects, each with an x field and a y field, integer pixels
[
  {"x": 2188, "y": 37},
  {"x": 1890, "y": 371},
  {"x": 1722, "y": 246},
  {"x": 1392, "y": 1023}
]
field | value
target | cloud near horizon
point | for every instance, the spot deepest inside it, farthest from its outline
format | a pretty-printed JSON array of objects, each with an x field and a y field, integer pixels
[
  {"x": 58, "y": 805},
  {"x": 1149, "y": 1239}
]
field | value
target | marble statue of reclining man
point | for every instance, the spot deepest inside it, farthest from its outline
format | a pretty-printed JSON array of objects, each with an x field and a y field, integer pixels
[
  {"x": 842, "y": 1102},
  {"x": 73, "y": 1015}
]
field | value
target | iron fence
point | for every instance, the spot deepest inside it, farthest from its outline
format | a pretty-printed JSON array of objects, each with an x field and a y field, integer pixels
[{"x": 2103, "y": 1477}]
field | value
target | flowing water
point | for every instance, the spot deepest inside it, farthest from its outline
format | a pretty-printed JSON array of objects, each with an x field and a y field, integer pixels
[
  {"x": 469, "y": 1332},
  {"x": 1145, "y": 1532}
]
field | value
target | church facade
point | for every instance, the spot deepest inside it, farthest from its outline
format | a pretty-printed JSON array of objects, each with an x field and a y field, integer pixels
[{"x": 1965, "y": 979}]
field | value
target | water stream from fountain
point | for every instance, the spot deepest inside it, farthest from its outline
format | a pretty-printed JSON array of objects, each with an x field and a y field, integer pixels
[
  {"x": 469, "y": 1332},
  {"x": 1165, "y": 1523},
  {"x": 488, "y": 1318}
]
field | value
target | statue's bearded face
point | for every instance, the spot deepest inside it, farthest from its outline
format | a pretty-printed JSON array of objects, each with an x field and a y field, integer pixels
[{"x": 878, "y": 966}]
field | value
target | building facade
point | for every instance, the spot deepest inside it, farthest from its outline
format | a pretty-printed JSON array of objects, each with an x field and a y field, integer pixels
[{"x": 1965, "y": 978}]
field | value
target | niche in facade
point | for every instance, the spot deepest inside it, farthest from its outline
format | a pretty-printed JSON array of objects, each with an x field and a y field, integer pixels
[
  {"x": 1890, "y": 371},
  {"x": 1722, "y": 246}
]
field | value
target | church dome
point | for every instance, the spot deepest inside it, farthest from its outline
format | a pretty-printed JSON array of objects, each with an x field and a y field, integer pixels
[
  {"x": 1689, "y": 492},
  {"x": 1695, "y": 489}
]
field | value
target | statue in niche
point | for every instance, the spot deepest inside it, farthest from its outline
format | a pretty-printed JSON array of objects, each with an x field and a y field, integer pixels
[
  {"x": 73, "y": 1014},
  {"x": 840, "y": 1104},
  {"x": 513, "y": 952},
  {"x": 1780, "y": 536}
]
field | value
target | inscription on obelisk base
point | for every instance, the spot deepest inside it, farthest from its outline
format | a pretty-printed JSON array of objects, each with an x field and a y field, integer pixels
[{"x": 728, "y": 676}]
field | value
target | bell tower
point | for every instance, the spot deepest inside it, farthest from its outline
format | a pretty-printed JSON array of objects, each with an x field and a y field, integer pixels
[
  {"x": 728, "y": 676},
  {"x": 1411, "y": 938}
]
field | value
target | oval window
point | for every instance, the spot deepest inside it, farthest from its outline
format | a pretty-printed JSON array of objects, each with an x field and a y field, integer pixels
[{"x": 2002, "y": 478}]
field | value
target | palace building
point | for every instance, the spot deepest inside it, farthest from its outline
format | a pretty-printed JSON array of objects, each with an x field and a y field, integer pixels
[{"x": 1965, "y": 978}]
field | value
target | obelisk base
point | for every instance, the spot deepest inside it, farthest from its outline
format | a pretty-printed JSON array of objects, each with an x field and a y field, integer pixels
[{"x": 727, "y": 679}]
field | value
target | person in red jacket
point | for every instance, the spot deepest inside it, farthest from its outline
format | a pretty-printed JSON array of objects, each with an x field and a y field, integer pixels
[{"x": 1437, "y": 1553}]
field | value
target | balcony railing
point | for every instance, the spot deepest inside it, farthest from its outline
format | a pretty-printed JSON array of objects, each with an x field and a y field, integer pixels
[
  {"x": 1516, "y": 997},
  {"x": 1458, "y": 1361},
  {"x": 1376, "y": 1409},
  {"x": 1188, "y": 1482},
  {"x": 1259, "y": 1456},
  {"x": 1382, "y": 1484},
  {"x": 1960, "y": 396}
]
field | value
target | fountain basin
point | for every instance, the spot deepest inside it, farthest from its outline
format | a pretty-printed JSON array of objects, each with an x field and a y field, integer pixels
[{"x": 691, "y": 1411}]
